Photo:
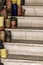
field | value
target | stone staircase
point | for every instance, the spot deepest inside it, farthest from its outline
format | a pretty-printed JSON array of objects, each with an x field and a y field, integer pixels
[{"x": 26, "y": 46}]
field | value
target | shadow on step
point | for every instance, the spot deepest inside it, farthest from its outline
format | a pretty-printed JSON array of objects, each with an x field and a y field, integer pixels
[
  {"x": 25, "y": 57},
  {"x": 27, "y": 41}
]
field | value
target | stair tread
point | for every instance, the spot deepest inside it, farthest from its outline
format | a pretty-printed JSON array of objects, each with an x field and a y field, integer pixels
[{"x": 22, "y": 29}]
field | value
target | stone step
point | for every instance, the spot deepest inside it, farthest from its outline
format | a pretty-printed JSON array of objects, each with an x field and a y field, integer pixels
[
  {"x": 21, "y": 62},
  {"x": 24, "y": 49},
  {"x": 33, "y": 2},
  {"x": 33, "y": 10},
  {"x": 29, "y": 22},
  {"x": 27, "y": 34}
]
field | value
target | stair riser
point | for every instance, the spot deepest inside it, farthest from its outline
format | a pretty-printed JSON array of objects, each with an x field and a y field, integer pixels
[
  {"x": 33, "y": 10},
  {"x": 33, "y": 2},
  {"x": 27, "y": 35},
  {"x": 24, "y": 50},
  {"x": 30, "y": 21}
]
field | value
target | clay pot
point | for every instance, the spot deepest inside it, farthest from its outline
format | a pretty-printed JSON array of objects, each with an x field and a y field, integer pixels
[
  {"x": 1, "y": 44},
  {"x": 7, "y": 23},
  {"x": 22, "y": 2},
  {"x": 14, "y": 9},
  {"x": 2, "y": 34},
  {"x": 4, "y": 12},
  {"x": 19, "y": 2},
  {"x": 8, "y": 4},
  {"x": 8, "y": 36},
  {"x": 19, "y": 10},
  {"x": 13, "y": 22},
  {"x": 1, "y": 23}
]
